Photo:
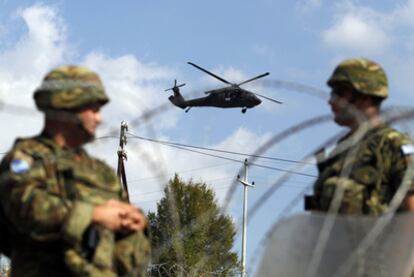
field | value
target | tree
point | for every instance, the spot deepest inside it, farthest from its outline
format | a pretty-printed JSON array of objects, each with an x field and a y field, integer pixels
[{"x": 189, "y": 234}]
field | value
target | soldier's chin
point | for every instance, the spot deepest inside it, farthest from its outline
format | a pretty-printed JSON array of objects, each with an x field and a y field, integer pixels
[
  {"x": 87, "y": 136},
  {"x": 342, "y": 120}
]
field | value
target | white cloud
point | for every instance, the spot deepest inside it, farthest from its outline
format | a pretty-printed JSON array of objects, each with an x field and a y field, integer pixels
[
  {"x": 233, "y": 75},
  {"x": 42, "y": 47},
  {"x": 23, "y": 65},
  {"x": 363, "y": 31},
  {"x": 230, "y": 74},
  {"x": 133, "y": 87},
  {"x": 355, "y": 32},
  {"x": 241, "y": 140}
]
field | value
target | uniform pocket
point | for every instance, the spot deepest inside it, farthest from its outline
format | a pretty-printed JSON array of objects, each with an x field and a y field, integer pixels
[
  {"x": 365, "y": 175},
  {"x": 369, "y": 176},
  {"x": 352, "y": 198}
]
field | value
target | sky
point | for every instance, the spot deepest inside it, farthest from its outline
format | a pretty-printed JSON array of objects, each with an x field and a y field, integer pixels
[{"x": 140, "y": 47}]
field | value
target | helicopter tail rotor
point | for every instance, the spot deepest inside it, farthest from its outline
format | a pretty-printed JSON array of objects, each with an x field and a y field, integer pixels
[{"x": 175, "y": 86}]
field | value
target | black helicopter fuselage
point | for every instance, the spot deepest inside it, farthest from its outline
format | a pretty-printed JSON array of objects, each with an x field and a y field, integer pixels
[
  {"x": 232, "y": 96},
  {"x": 225, "y": 98}
]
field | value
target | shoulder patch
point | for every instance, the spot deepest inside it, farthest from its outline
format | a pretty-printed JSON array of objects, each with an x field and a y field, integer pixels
[
  {"x": 33, "y": 146},
  {"x": 407, "y": 149},
  {"x": 19, "y": 166},
  {"x": 20, "y": 162}
]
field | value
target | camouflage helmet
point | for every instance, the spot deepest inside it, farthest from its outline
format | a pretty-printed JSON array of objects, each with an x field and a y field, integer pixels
[
  {"x": 70, "y": 87},
  {"x": 365, "y": 76}
]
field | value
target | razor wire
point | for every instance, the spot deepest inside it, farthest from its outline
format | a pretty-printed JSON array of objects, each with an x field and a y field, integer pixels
[
  {"x": 158, "y": 270},
  {"x": 146, "y": 116},
  {"x": 281, "y": 180},
  {"x": 394, "y": 116},
  {"x": 225, "y": 202},
  {"x": 290, "y": 131},
  {"x": 149, "y": 114},
  {"x": 172, "y": 270}
]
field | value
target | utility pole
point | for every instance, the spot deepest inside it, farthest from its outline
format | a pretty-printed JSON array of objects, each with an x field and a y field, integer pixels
[
  {"x": 122, "y": 156},
  {"x": 246, "y": 184}
]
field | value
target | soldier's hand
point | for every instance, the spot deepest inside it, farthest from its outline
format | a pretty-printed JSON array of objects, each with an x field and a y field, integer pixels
[
  {"x": 108, "y": 216},
  {"x": 132, "y": 218},
  {"x": 134, "y": 221},
  {"x": 119, "y": 216}
]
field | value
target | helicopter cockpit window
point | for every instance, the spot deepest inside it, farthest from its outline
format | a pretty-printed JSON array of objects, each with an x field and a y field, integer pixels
[
  {"x": 228, "y": 96},
  {"x": 231, "y": 95}
]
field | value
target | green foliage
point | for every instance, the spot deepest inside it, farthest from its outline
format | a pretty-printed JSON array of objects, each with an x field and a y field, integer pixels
[{"x": 189, "y": 231}]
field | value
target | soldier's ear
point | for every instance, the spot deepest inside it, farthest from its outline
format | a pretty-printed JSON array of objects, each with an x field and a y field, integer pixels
[
  {"x": 364, "y": 100},
  {"x": 370, "y": 101}
]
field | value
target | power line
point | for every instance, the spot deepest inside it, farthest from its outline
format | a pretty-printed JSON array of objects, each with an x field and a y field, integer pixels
[
  {"x": 214, "y": 188},
  {"x": 206, "y": 181},
  {"x": 178, "y": 172},
  {"x": 216, "y": 150},
  {"x": 106, "y": 137},
  {"x": 224, "y": 158},
  {"x": 186, "y": 146}
]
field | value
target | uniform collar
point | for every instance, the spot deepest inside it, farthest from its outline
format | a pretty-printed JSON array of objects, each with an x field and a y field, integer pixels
[{"x": 47, "y": 139}]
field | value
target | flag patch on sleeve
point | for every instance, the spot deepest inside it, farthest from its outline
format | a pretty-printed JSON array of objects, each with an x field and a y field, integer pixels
[
  {"x": 19, "y": 166},
  {"x": 407, "y": 149}
]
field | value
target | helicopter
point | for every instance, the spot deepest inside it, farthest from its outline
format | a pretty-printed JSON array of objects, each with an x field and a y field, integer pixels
[{"x": 232, "y": 96}]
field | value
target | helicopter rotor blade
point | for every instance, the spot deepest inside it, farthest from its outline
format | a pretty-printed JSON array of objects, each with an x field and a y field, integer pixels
[
  {"x": 209, "y": 73},
  {"x": 254, "y": 78},
  {"x": 268, "y": 98}
]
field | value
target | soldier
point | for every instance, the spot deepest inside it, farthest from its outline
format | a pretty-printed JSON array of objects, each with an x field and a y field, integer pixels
[
  {"x": 66, "y": 212},
  {"x": 361, "y": 174}
]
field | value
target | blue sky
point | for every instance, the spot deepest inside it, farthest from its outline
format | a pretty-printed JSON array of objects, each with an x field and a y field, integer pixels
[{"x": 140, "y": 47}]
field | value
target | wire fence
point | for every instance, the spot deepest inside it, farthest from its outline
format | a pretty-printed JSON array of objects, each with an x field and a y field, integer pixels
[
  {"x": 168, "y": 270},
  {"x": 294, "y": 167},
  {"x": 154, "y": 270}
]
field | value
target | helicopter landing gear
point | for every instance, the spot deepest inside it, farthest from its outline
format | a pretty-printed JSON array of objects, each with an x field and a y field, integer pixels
[
  {"x": 244, "y": 110},
  {"x": 188, "y": 109}
]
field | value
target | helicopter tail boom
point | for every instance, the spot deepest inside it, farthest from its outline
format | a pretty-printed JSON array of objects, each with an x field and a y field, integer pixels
[{"x": 178, "y": 100}]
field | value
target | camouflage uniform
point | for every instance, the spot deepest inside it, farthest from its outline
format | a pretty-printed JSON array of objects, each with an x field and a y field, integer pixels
[
  {"x": 374, "y": 168},
  {"x": 48, "y": 194},
  {"x": 371, "y": 169}
]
